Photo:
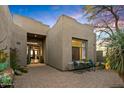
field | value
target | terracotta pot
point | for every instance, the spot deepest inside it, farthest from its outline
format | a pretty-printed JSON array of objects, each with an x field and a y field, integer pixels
[{"x": 121, "y": 76}]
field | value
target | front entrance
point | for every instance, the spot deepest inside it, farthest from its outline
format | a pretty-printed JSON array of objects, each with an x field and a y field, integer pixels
[
  {"x": 34, "y": 53},
  {"x": 35, "y": 48}
]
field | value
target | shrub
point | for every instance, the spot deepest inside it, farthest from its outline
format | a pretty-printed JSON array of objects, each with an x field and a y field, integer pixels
[
  {"x": 3, "y": 56},
  {"x": 116, "y": 53},
  {"x": 13, "y": 63}
]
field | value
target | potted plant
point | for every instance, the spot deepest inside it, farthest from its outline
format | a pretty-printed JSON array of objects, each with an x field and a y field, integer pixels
[{"x": 3, "y": 60}]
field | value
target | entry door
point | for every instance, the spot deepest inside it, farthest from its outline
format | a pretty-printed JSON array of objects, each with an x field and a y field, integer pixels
[
  {"x": 33, "y": 54},
  {"x": 75, "y": 53},
  {"x": 36, "y": 54}
]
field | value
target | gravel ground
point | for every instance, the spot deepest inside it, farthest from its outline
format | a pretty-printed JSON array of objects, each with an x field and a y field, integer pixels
[{"x": 43, "y": 76}]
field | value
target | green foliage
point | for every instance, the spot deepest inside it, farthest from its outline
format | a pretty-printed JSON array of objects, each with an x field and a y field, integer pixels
[
  {"x": 3, "y": 60},
  {"x": 3, "y": 56},
  {"x": 115, "y": 54},
  {"x": 3, "y": 66},
  {"x": 13, "y": 63},
  {"x": 5, "y": 79}
]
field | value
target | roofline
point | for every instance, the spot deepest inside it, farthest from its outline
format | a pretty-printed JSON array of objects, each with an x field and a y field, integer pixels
[
  {"x": 71, "y": 19},
  {"x": 29, "y": 18},
  {"x": 15, "y": 25},
  {"x": 76, "y": 20},
  {"x": 56, "y": 21}
]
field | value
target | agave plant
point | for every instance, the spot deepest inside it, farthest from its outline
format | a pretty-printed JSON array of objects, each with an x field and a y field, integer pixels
[{"x": 116, "y": 53}]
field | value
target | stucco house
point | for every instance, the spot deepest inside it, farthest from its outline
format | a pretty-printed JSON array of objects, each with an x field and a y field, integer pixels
[{"x": 67, "y": 41}]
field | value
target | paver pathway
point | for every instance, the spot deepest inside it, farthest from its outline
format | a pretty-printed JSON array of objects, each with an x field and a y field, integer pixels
[{"x": 42, "y": 76}]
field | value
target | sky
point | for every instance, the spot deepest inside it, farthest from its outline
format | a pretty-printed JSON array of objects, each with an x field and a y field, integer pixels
[{"x": 48, "y": 14}]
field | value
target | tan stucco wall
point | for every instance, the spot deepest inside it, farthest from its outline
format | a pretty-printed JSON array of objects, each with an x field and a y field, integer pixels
[
  {"x": 71, "y": 28},
  {"x": 30, "y": 25},
  {"x": 5, "y": 28},
  {"x": 55, "y": 46},
  {"x": 19, "y": 41},
  {"x": 13, "y": 34},
  {"x": 60, "y": 41}
]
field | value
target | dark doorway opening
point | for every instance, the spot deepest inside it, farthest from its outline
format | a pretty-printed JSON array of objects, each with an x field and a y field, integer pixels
[{"x": 35, "y": 48}]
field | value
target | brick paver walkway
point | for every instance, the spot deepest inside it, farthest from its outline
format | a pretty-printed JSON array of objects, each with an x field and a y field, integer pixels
[{"x": 43, "y": 76}]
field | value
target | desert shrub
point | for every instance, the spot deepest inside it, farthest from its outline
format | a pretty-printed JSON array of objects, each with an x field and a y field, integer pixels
[
  {"x": 115, "y": 54},
  {"x": 13, "y": 63}
]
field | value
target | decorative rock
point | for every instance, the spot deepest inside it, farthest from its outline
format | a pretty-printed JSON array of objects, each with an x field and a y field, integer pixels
[{"x": 17, "y": 72}]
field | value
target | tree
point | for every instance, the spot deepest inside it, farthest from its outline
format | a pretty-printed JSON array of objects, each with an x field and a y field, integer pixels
[
  {"x": 115, "y": 54},
  {"x": 105, "y": 18}
]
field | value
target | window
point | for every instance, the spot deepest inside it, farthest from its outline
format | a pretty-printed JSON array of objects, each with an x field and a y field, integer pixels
[{"x": 79, "y": 49}]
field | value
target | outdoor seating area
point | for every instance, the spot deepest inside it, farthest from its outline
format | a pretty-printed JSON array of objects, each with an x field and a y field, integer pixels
[{"x": 83, "y": 65}]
